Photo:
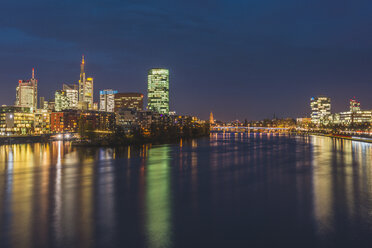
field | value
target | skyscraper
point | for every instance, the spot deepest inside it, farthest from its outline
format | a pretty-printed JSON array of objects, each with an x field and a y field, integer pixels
[
  {"x": 27, "y": 93},
  {"x": 85, "y": 88},
  {"x": 158, "y": 91},
  {"x": 107, "y": 100},
  {"x": 61, "y": 100},
  {"x": 320, "y": 108},
  {"x": 72, "y": 93}
]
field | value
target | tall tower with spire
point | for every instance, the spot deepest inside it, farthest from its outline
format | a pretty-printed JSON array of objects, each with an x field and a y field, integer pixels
[
  {"x": 211, "y": 119},
  {"x": 85, "y": 88}
]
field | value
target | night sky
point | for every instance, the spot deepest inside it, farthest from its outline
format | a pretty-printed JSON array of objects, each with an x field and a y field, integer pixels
[{"x": 240, "y": 59}]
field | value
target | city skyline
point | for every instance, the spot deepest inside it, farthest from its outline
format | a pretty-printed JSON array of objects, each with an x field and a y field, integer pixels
[{"x": 272, "y": 53}]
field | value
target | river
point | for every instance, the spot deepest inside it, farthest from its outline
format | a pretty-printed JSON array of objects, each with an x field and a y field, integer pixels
[{"x": 227, "y": 190}]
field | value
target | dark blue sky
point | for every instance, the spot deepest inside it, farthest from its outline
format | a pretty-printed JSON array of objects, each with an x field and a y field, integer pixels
[{"x": 239, "y": 59}]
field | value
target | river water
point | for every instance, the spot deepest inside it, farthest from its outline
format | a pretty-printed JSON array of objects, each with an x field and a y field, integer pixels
[{"x": 228, "y": 190}]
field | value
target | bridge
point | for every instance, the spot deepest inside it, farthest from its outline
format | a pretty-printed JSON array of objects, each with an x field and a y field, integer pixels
[{"x": 233, "y": 129}]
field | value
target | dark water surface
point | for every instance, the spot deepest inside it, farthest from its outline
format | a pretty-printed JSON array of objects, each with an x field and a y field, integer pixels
[{"x": 233, "y": 190}]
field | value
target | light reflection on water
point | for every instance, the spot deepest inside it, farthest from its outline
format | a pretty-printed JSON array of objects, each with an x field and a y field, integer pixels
[{"x": 231, "y": 190}]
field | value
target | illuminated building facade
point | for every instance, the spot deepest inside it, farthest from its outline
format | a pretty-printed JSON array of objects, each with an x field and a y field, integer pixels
[
  {"x": 320, "y": 109},
  {"x": 128, "y": 101},
  {"x": 107, "y": 100},
  {"x": 158, "y": 91},
  {"x": 72, "y": 93},
  {"x": 354, "y": 116},
  {"x": 27, "y": 93},
  {"x": 15, "y": 120},
  {"x": 42, "y": 121},
  {"x": 61, "y": 100},
  {"x": 85, "y": 88},
  {"x": 66, "y": 121}
]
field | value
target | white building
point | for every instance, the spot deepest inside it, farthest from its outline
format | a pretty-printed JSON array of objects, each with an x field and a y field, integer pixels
[
  {"x": 107, "y": 100},
  {"x": 320, "y": 109},
  {"x": 27, "y": 93},
  {"x": 72, "y": 93}
]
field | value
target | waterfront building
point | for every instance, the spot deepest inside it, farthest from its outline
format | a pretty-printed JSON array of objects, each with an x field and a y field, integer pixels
[
  {"x": 72, "y": 93},
  {"x": 158, "y": 91},
  {"x": 42, "y": 121},
  {"x": 85, "y": 88},
  {"x": 107, "y": 100},
  {"x": 126, "y": 117},
  {"x": 62, "y": 102},
  {"x": 97, "y": 121},
  {"x": 16, "y": 120},
  {"x": 354, "y": 116},
  {"x": 26, "y": 95},
  {"x": 65, "y": 121},
  {"x": 129, "y": 101},
  {"x": 320, "y": 109}
]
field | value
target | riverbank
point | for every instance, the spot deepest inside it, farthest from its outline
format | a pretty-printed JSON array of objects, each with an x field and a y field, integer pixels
[
  {"x": 345, "y": 137},
  {"x": 24, "y": 139}
]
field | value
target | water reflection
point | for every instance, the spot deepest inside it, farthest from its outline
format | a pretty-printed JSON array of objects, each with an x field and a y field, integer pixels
[
  {"x": 158, "y": 198},
  {"x": 231, "y": 190}
]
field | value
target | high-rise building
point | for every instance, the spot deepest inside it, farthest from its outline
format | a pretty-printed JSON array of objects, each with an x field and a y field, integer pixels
[
  {"x": 107, "y": 100},
  {"x": 129, "y": 101},
  {"x": 354, "y": 105},
  {"x": 61, "y": 100},
  {"x": 85, "y": 87},
  {"x": 158, "y": 91},
  {"x": 41, "y": 102},
  {"x": 72, "y": 93},
  {"x": 27, "y": 93},
  {"x": 320, "y": 109}
]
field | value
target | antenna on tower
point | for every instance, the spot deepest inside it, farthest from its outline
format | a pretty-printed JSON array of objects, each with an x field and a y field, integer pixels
[{"x": 33, "y": 73}]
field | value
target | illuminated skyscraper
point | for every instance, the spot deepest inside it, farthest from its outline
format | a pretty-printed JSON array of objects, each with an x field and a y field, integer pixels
[
  {"x": 85, "y": 88},
  {"x": 61, "y": 100},
  {"x": 27, "y": 93},
  {"x": 72, "y": 93},
  {"x": 354, "y": 105},
  {"x": 158, "y": 91},
  {"x": 320, "y": 109},
  {"x": 107, "y": 100}
]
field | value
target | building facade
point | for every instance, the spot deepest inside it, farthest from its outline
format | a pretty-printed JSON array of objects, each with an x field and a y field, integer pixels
[
  {"x": 320, "y": 109},
  {"x": 85, "y": 88},
  {"x": 61, "y": 100},
  {"x": 72, "y": 93},
  {"x": 107, "y": 100},
  {"x": 128, "y": 101},
  {"x": 15, "y": 120},
  {"x": 158, "y": 91},
  {"x": 26, "y": 95}
]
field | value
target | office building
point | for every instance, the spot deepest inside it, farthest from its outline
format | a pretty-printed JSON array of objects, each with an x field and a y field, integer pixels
[
  {"x": 320, "y": 109},
  {"x": 128, "y": 101},
  {"x": 107, "y": 100},
  {"x": 72, "y": 93},
  {"x": 15, "y": 120},
  {"x": 27, "y": 93},
  {"x": 42, "y": 121},
  {"x": 85, "y": 88},
  {"x": 61, "y": 100},
  {"x": 158, "y": 91}
]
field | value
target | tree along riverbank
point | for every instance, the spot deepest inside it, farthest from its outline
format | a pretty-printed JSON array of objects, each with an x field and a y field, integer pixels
[{"x": 156, "y": 134}]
